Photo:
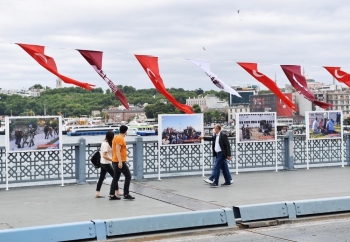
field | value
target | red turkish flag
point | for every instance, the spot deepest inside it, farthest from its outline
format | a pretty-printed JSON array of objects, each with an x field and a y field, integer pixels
[
  {"x": 37, "y": 52},
  {"x": 298, "y": 81},
  {"x": 252, "y": 69},
  {"x": 94, "y": 58},
  {"x": 281, "y": 108},
  {"x": 338, "y": 74},
  {"x": 150, "y": 65}
]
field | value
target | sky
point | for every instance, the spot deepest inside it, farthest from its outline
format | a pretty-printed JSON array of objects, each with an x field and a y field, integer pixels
[{"x": 311, "y": 34}]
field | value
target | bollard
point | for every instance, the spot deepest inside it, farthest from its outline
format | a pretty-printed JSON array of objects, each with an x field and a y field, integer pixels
[
  {"x": 80, "y": 162},
  {"x": 288, "y": 142},
  {"x": 138, "y": 159}
]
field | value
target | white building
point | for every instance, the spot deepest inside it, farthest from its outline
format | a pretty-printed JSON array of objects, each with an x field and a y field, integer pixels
[
  {"x": 232, "y": 110},
  {"x": 207, "y": 102}
]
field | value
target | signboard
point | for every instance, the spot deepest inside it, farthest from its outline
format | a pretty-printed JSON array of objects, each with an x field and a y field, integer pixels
[
  {"x": 324, "y": 124},
  {"x": 180, "y": 129},
  {"x": 256, "y": 127},
  {"x": 33, "y": 133}
]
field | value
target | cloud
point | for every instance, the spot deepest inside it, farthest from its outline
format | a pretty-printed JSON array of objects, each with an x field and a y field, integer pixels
[{"x": 307, "y": 33}]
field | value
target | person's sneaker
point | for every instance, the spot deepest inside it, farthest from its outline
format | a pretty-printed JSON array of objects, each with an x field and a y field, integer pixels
[
  {"x": 129, "y": 197},
  {"x": 231, "y": 181},
  {"x": 213, "y": 185},
  {"x": 208, "y": 181},
  {"x": 114, "y": 198},
  {"x": 226, "y": 184}
]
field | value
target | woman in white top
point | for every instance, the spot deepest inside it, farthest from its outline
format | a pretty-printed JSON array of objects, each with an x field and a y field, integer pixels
[{"x": 106, "y": 162}]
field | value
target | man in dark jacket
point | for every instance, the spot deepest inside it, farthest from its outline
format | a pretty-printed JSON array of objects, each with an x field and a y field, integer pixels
[{"x": 222, "y": 151}]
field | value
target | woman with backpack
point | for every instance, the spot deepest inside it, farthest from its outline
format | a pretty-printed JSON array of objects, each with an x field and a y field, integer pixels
[{"x": 106, "y": 162}]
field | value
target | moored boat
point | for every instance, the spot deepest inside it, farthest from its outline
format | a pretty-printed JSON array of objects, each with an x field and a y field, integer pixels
[
  {"x": 141, "y": 129},
  {"x": 91, "y": 130}
]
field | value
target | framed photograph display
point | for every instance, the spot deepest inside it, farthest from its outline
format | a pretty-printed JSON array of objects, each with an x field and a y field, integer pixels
[
  {"x": 180, "y": 129},
  {"x": 256, "y": 127},
  {"x": 33, "y": 133},
  {"x": 324, "y": 124}
]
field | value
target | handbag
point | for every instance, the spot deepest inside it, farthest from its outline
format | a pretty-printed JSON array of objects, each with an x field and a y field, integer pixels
[{"x": 96, "y": 159}]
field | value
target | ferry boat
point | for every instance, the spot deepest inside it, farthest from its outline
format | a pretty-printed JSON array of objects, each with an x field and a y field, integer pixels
[
  {"x": 142, "y": 129},
  {"x": 91, "y": 130}
]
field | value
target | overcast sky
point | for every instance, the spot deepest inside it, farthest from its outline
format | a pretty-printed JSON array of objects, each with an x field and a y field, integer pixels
[{"x": 271, "y": 32}]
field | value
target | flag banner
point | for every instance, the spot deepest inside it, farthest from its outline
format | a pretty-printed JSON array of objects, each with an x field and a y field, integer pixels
[
  {"x": 205, "y": 66},
  {"x": 338, "y": 74},
  {"x": 150, "y": 65},
  {"x": 252, "y": 69},
  {"x": 37, "y": 53},
  {"x": 298, "y": 81},
  {"x": 94, "y": 58},
  {"x": 282, "y": 109}
]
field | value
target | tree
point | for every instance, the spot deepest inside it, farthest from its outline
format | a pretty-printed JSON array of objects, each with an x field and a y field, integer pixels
[
  {"x": 37, "y": 86},
  {"x": 196, "y": 108},
  {"x": 199, "y": 91}
]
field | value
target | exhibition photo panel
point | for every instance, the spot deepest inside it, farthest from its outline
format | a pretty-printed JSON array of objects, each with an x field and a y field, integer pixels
[
  {"x": 324, "y": 124},
  {"x": 180, "y": 129},
  {"x": 256, "y": 127},
  {"x": 35, "y": 133}
]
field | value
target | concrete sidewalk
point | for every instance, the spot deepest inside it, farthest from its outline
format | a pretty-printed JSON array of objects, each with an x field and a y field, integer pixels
[{"x": 45, "y": 205}]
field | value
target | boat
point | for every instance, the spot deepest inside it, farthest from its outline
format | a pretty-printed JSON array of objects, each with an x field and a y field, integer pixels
[
  {"x": 141, "y": 129},
  {"x": 91, "y": 130}
]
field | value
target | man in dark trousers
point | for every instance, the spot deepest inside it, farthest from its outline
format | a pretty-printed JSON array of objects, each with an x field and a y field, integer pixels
[{"x": 222, "y": 151}]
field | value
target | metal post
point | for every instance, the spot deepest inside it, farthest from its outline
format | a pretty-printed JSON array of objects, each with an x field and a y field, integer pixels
[
  {"x": 288, "y": 143},
  {"x": 347, "y": 137},
  {"x": 138, "y": 159},
  {"x": 80, "y": 162}
]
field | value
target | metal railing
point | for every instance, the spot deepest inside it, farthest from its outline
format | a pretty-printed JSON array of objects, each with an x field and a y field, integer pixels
[{"x": 291, "y": 153}]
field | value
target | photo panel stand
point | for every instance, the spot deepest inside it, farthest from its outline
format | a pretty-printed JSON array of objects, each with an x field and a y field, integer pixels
[
  {"x": 258, "y": 121},
  {"x": 310, "y": 117},
  {"x": 21, "y": 122},
  {"x": 185, "y": 128}
]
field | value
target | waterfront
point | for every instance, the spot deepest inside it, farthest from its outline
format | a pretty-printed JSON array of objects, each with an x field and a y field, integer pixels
[{"x": 93, "y": 139}]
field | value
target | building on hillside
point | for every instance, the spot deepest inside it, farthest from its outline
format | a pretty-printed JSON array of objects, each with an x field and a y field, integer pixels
[
  {"x": 232, "y": 110},
  {"x": 119, "y": 115},
  {"x": 59, "y": 83},
  {"x": 340, "y": 100},
  {"x": 245, "y": 93},
  {"x": 208, "y": 102},
  {"x": 23, "y": 92}
]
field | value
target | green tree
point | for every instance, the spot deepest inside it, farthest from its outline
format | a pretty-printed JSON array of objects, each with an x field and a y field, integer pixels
[{"x": 196, "y": 108}]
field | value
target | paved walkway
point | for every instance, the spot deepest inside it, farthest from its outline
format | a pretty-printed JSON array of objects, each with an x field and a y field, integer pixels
[{"x": 44, "y": 205}]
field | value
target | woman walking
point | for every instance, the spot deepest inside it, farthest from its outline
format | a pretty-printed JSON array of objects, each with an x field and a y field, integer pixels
[{"x": 106, "y": 162}]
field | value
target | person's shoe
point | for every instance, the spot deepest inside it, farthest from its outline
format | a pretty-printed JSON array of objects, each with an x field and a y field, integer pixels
[
  {"x": 213, "y": 185},
  {"x": 114, "y": 198},
  {"x": 231, "y": 181},
  {"x": 226, "y": 184},
  {"x": 129, "y": 197},
  {"x": 208, "y": 181}
]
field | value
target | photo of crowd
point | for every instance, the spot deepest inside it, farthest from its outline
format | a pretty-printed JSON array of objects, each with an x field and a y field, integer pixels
[
  {"x": 178, "y": 129},
  {"x": 34, "y": 133},
  {"x": 324, "y": 125}
]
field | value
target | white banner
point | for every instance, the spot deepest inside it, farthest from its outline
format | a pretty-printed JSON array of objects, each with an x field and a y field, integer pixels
[{"x": 205, "y": 66}]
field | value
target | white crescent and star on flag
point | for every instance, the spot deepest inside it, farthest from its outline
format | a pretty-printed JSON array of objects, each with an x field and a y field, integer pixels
[{"x": 337, "y": 75}]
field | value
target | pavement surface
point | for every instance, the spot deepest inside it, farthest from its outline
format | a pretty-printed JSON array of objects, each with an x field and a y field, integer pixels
[{"x": 54, "y": 204}]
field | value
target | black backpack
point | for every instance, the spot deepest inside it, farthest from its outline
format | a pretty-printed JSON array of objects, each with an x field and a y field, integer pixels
[{"x": 96, "y": 159}]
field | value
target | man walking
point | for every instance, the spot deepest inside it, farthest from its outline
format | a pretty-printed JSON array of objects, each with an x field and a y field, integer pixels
[
  {"x": 222, "y": 151},
  {"x": 119, "y": 158}
]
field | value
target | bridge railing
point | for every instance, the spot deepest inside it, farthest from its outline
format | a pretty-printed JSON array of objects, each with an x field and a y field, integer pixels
[{"x": 291, "y": 150}]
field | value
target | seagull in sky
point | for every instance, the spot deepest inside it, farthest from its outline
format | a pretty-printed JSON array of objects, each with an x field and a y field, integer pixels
[
  {"x": 238, "y": 11},
  {"x": 203, "y": 48}
]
